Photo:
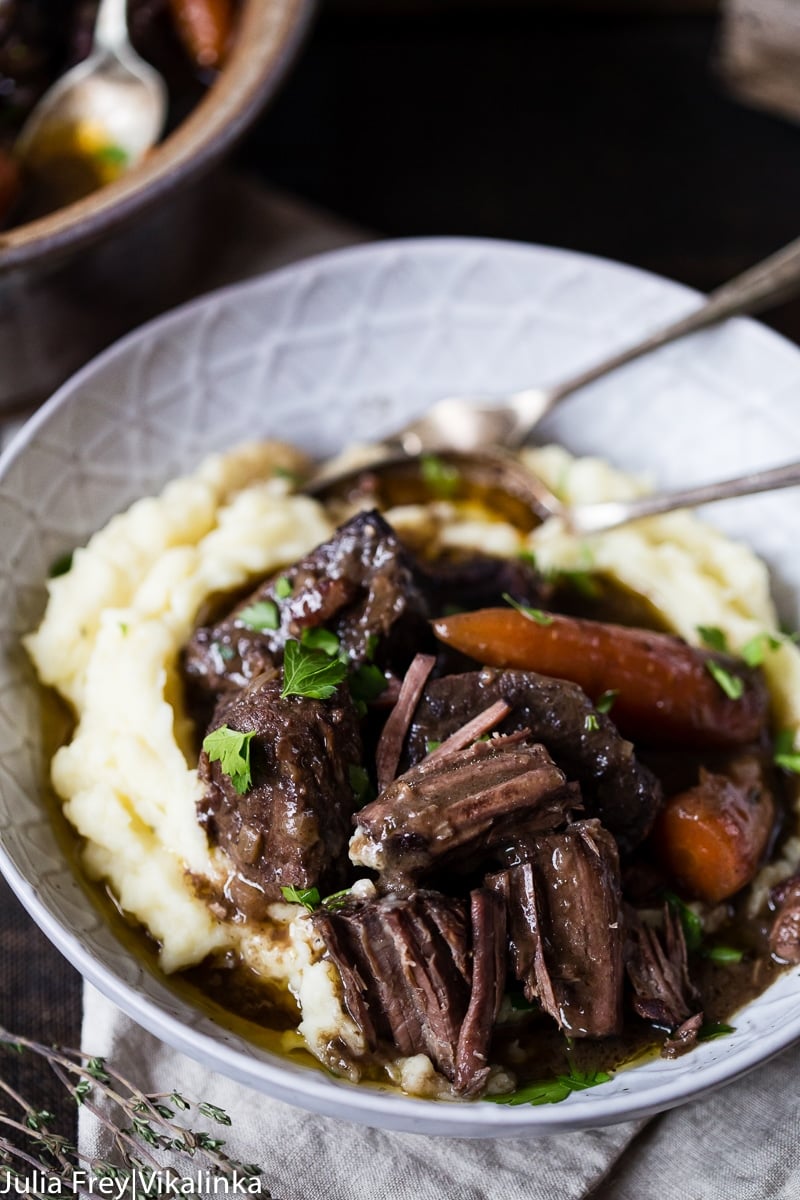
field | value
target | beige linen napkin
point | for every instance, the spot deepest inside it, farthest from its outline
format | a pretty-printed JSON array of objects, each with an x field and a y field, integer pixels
[{"x": 741, "y": 1143}]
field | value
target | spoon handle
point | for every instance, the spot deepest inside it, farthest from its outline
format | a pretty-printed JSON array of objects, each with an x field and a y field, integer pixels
[
  {"x": 773, "y": 280},
  {"x": 595, "y": 518},
  {"x": 111, "y": 26}
]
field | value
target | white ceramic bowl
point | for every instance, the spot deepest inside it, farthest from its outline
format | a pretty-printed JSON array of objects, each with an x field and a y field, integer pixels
[{"x": 352, "y": 344}]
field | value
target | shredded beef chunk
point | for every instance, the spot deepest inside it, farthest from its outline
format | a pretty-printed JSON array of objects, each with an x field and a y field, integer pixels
[
  {"x": 359, "y": 585},
  {"x": 565, "y": 926},
  {"x": 422, "y": 974},
  {"x": 657, "y": 967},
  {"x": 784, "y": 936},
  {"x": 448, "y": 811},
  {"x": 479, "y": 581},
  {"x": 623, "y": 793},
  {"x": 290, "y": 828}
]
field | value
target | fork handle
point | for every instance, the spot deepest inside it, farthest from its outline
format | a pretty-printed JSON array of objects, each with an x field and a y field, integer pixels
[
  {"x": 595, "y": 518},
  {"x": 775, "y": 279}
]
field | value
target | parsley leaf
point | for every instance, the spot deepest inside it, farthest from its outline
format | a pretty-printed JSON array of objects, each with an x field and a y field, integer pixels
[
  {"x": 61, "y": 565},
  {"x": 283, "y": 588},
  {"x": 310, "y": 672},
  {"x": 367, "y": 683},
  {"x": 553, "y": 1091},
  {"x": 527, "y": 556},
  {"x": 755, "y": 651},
  {"x": 785, "y": 755},
  {"x": 723, "y": 954},
  {"x": 732, "y": 685},
  {"x": 591, "y": 723},
  {"x": 441, "y": 477},
  {"x": 336, "y": 900},
  {"x": 372, "y": 646},
  {"x": 320, "y": 639},
  {"x": 360, "y": 783},
  {"x": 713, "y": 637},
  {"x": 605, "y": 702},
  {"x": 231, "y": 749},
  {"x": 519, "y": 1001},
  {"x": 431, "y": 744},
  {"x": 714, "y": 1029},
  {"x": 293, "y": 477},
  {"x": 308, "y": 897},
  {"x": 533, "y": 614},
  {"x": 692, "y": 925},
  {"x": 260, "y": 616}
]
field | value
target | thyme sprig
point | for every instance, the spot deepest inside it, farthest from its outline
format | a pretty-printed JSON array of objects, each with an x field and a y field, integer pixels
[{"x": 143, "y": 1128}]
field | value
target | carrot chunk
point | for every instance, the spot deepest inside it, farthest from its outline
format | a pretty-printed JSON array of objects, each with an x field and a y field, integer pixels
[
  {"x": 204, "y": 27},
  {"x": 713, "y": 837},
  {"x": 668, "y": 693}
]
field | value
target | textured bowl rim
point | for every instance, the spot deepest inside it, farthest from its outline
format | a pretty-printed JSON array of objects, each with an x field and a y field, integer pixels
[
  {"x": 311, "y": 1089},
  {"x": 245, "y": 84}
]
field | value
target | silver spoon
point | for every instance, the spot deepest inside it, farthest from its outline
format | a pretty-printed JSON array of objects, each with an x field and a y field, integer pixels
[
  {"x": 469, "y": 423},
  {"x": 489, "y": 427},
  {"x": 105, "y": 113},
  {"x": 596, "y": 518}
]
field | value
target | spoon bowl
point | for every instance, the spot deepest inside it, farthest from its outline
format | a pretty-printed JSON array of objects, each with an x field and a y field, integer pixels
[{"x": 97, "y": 120}]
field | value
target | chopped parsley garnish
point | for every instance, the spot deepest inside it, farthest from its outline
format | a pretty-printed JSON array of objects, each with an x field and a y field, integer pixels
[
  {"x": 533, "y": 614},
  {"x": 452, "y": 610},
  {"x": 308, "y": 897},
  {"x": 692, "y": 925},
  {"x": 583, "y": 582},
  {"x": 226, "y": 653},
  {"x": 123, "y": 628},
  {"x": 591, "y": 723},
  {"x": 713, "y": 637},
  {"x": 361, "y": 784},
  {"x": 292, "y": 477},
  {"x": 310, "y": 673},
  {"x": 372, "y": 646},
  {"x": 431, "y": 744},
  {"x": 732, "y": 685},
  {"x": 605, "y": 702},
  {"x": 441, "y": 477},
  {"x": 260, "y": 616},
  {"x": 367, "y": 683},
  {"x": 519, "y": 1001},
  {"x": 553, "y": 1091},
  {"x": 283, "y": 588},
  {"x": 785, "y": 754},
  {"x": 320, "y": 639},
  {"x": 231, "y": 749},
  {"x": 336, "y": 899},
  {"x": 723, "y": 954},
  {"x": 112, "y": 156},
  {"x": 61, "y": 565},
  {"x": 714, "y": 1029},
  {"x": 755, "y": 651},
  {"x": 527, "y": 556}
]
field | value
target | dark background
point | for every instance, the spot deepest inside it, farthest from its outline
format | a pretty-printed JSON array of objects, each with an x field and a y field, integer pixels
[{"x": 608, "y": 133}]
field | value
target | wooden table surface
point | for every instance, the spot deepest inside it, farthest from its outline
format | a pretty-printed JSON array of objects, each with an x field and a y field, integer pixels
[{"x": 611, "y": 135}]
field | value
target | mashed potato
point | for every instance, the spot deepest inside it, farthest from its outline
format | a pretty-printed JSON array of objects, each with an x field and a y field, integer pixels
[{"x": 115, "y": 624}]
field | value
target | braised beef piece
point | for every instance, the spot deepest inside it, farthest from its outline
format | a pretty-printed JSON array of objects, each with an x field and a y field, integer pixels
[
  {"x": 684, "y": 1038},
  {"x": 480, "y": 581},
  {"x": 290, "y": 827},
  {"x": 657, "y": 967},
  {"x": 447, "y": 812},
  {"x": 565, "y": 926},
  {"x": 585, "y": 744},
  {"x": 359, "y": 585},
  {"x": 423, "y": 974},
  {"x": 784, "y": 936}
]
